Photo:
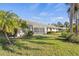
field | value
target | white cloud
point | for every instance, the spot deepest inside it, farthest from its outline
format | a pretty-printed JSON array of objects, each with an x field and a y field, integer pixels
[
  {"x": 46, "y": 14},
  {"x": 57, "y": 18}
]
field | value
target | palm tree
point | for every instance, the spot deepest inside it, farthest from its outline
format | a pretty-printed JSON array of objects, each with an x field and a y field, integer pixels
[
  {"x": 9, "y": 22},
  {"x": 76, "y": 22},
  {"x": 71, "y": 16},
  {"x": 76, "y": 16}
]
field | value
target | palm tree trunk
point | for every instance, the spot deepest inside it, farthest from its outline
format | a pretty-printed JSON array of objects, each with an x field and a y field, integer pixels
[
  {"x": 7, "y": 37},
  {"x": 76, "y": 24},
  {"x": 71, "y": 17}
]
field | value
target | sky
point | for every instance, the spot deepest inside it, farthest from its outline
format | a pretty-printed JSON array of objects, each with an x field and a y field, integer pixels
[{"x": 46, "y": 13}]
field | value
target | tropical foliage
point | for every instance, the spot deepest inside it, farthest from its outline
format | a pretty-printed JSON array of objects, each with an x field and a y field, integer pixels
[{"x": 9, "y": 21}]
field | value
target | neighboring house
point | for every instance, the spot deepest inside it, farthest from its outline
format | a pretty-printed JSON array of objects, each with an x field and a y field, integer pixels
[
  {"x": 20, "y": 33},
  {"x": 39, "y": 28},
  {"x": 52, "y": 28}
]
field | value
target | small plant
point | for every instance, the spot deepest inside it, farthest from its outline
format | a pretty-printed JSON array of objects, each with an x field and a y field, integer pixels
[
  {"x": 49, "y": 32},
  {"x": 64, "y": 34},
  {"x": 30, "y": 34}
]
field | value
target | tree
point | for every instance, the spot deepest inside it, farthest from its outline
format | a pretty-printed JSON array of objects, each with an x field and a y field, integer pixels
[
  {"x": 59, "y": 24},
  {"x": 23, "y": 24},
  {"x": 8, "y": 22},
  {"x": 66, "y": 24},
  {"x": 73, "y": 10},
  {"x": 71, "y": 15},
  {"x": 76, "y": 17}
]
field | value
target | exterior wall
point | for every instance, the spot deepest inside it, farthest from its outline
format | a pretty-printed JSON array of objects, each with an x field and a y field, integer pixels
[
  {"x": 45, "y": 29},
  {"x": 20, "y": 33},
  {"x": 38, "y": 30},
  {"x": 30, "y": 27},
  {"x": 48, "y": 29},
  {"x": 52, "y": 29},
  {"x": 42, "y": 30}
]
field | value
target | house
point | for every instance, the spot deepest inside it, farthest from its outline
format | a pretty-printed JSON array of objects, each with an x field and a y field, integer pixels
[
  {"x": 20, "y": 33},
  {"x": 39, "y": 28},
  {"x": 52, "y": 28}
]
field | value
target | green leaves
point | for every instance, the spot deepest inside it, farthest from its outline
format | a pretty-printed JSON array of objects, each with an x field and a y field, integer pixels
[
  {"x": 23, "y": 24},
  {"x": 8, "y": 21}
]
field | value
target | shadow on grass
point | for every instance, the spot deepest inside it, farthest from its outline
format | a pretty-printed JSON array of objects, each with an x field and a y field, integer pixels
[
  {"x": 40, "y": 37},
  {"x": 19, "y": 46},
  {"x": 6, "y": 48},
  {"x": 61, "y": 39},
  {"x": 37, "y": 42},
  {"x": 26, "y": 47}
]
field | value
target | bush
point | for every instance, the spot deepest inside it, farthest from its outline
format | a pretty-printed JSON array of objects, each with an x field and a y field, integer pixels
[
  {"x": 30, "y": 34},
  {"x": 52, "y": 32},
  {"x": 64, "y": 34},
  {"x": 3, "y": 40},
  {"x": 49, "y": 32},
  {"x": 70, "y": 37},
  {"x": 74, "y": 39}
]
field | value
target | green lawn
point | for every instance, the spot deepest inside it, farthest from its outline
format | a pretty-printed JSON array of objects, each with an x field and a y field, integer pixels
[{"x": 41, "y": 46}]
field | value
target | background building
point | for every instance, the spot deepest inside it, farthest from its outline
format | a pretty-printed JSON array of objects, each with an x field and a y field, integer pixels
[{"x": 39, "y": 28}]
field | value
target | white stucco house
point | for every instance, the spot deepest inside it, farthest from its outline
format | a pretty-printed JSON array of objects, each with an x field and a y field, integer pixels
[
  {"x": 20, "y": 33},
  {"x": 39, "y": 28}
]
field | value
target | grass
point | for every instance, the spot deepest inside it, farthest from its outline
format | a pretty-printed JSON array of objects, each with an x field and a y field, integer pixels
[{"x": 43, "y": 45}]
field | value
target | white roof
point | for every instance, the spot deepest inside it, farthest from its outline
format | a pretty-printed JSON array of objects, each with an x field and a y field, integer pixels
[
  {"x": 40, "y": 25},
  {"x": 36, "y": 24}
]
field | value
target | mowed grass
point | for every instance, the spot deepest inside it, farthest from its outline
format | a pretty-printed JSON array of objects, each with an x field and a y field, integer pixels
[{"x": 41, "y": 45}]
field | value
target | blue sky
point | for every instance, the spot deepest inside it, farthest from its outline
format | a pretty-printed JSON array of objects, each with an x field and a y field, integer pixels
[{"x": 40, "y": 12}]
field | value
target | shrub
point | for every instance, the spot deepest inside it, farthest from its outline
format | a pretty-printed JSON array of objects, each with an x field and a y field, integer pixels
[
  {"x": 49, "y": 32},
  {"x": 70, "y": 37},
  {"x": 52, "y": 32},
  {"x": 30, "y": 34},
  {"x": 64, "y": 34},
  {"x": 74, "y": 39},
  {"x": 3, "y": 40}
]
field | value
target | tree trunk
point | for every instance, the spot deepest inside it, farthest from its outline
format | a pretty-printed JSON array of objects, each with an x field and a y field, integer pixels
[
  {"x": 71, "y": 17},
  {"x": 7, "y": 37},
  {"x": 76, "y": 24}
]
